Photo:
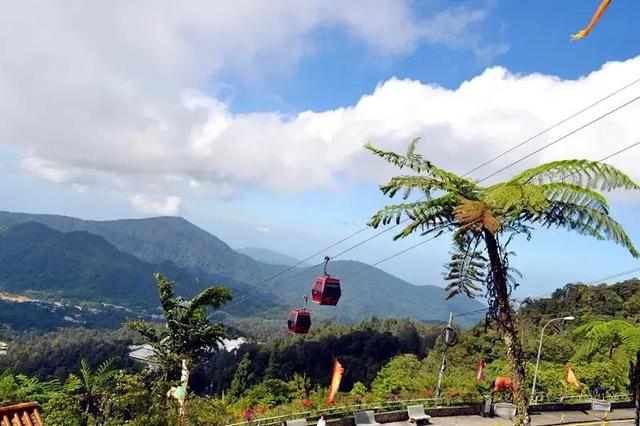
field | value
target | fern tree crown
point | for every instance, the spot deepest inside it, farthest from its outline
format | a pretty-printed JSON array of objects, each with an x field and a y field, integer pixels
[{"x": 565, "y": 194}]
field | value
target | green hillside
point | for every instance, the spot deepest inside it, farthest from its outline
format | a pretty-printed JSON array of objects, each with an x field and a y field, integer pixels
[
  {"x": 189, "y": 250},
  {"x": 160, "y": 239},
  {"x": 370, "y": 291},
  {"x": 80, "y": 266}
]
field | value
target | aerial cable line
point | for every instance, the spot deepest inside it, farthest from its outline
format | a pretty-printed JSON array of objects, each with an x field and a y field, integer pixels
[
  {"x": 275, "y": 275},
  {"x": 548, "y": 129},
  {"x": 555, "y": 141},
  {"x": 244, "y": 296},
  {"x": 304, "y": 271},
  {"x": 566, "y": 135},
  {"x": 630, "y": 271},
  {"x": 596, "y": 281},
  {"x": 513, "y": 148},
  {"x": 546, "y": 146},
  {"x": 373, "y": 265},
  {"x": 561, "y": 138},
  {"x": 616, "y": 275}
]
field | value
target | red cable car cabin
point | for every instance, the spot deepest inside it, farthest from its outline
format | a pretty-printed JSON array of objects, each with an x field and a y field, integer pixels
[
  {"x": 326, "y": 291},
  {"x": 299, "y": 321}
]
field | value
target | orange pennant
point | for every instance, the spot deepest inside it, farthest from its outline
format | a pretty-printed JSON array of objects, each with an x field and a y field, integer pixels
[
  {"x": 480, "y": 376},
  {"x": 572, "y": 379},
  {"x": 336, "y": 378},
  {"x": 603, "y": 6}
]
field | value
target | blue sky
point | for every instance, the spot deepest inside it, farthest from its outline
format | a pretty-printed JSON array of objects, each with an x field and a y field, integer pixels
[{"x": 249, "y": 121}]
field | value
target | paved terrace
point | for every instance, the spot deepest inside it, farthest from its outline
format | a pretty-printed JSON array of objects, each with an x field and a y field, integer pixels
[{"x": 619, "y": 417}]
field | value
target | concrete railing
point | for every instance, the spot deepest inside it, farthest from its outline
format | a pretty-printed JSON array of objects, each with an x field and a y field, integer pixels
[
  {"x": 396, "y": 411},
  {"x": 348, "y": 410}
]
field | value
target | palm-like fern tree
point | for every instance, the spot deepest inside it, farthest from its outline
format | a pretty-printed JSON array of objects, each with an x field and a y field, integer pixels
[
  {"x": 91, "y": 384},
  {"x": 610, "y": 335},
  {"x": 483, "y": 219},
  {"x": 188, "y": 334}
]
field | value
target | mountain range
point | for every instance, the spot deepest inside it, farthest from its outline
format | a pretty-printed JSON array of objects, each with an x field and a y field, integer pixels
[
  {"x": 113, "y": 261},
  {"x": 270, "y": 257}
]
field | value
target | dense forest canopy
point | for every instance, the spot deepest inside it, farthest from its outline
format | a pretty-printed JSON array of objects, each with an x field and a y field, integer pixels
[{"x": 383, "y": 358}]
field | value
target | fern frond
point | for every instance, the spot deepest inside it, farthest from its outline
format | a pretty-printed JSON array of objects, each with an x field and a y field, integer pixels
[
  {"x": 407, "y": 184},
  {"x": 411, "y": 161},
  {"x": 104, "y": 370},
  {"x": 429, "y": 216},
  {"x": 509, "y": 199},
  {"x": 610, "y": 335},
  {"x": 566, "y": 192},
  {"x": 147, "y": 331},
  {"x": 631, "y": 339},
  {"x": 85, "y": 373},
  {"x": 587, "y": 221},
  {"x": 167, "y": 295},
  {"x": 213, "y": 297},
  {"x": 425, "y": 168},
  {"x": 466, "y": 270},
  {"x": 585, "y": 173}
]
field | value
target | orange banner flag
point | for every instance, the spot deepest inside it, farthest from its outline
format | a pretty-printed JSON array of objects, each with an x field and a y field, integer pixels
[
  {"x": 603, "y": 6},
  {"x": 480, "y": 376},
  {"x": 572, "y": 379},
  {"x": 336, "y": 378}
]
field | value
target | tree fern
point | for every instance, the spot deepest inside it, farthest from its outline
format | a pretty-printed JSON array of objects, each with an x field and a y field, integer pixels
[
  {"x": 610, "y": 335},
  {"x": 560, "y": 193},
  {"x": 188, "y": 333}
]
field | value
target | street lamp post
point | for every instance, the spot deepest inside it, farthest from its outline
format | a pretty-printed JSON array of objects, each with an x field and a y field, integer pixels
[{"x": 535, "y": 376}]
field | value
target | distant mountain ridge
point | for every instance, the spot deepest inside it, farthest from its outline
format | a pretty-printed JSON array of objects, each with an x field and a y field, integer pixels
[
  {"x": 159, "y": 239},
  {"x": 269, "y": 257},
  {"x": 193, "y": 252},
  {"x": 38, "y": 260}
]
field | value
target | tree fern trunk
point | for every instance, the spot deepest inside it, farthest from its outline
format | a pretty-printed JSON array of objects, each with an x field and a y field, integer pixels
[{"x": 508, "y": 328}]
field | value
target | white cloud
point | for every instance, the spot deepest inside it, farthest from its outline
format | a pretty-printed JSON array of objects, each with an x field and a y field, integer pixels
[
  {"x": 200, "y": 146},
  {"x": 112, "y": 94},
  {"x": 45, "y": 170},
  {"x": 169, "y": 206},
  {"x": 263, "y": 229},
  {"x": 109, "y": 92}
]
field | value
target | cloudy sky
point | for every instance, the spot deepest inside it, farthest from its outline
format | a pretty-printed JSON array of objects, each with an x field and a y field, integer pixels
[{"x": 249, "y": 118}]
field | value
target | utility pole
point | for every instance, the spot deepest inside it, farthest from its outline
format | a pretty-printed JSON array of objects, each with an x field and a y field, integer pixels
[{"x": 449, "y": 338}]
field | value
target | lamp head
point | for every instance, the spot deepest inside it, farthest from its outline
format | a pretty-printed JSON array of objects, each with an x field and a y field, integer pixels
[{"x": 569, "y": 318}]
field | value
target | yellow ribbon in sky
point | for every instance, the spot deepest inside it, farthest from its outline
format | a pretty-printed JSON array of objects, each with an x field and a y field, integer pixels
[{"x": 603, "y": 6}]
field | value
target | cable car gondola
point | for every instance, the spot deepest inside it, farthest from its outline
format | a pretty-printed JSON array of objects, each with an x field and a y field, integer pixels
[
  {"x": 299, "y": 320},
  {"x": 325, "y": 289}
]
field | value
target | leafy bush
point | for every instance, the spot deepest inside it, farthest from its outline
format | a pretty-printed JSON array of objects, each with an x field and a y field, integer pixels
[
  {"x": 404, "y": 373},
  {"x": 269, "y": 393}
]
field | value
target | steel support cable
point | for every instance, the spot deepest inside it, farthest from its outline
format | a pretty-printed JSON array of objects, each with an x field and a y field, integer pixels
[
  {"x": 616, "y": 275},
  {"x": 630, "y": 271},
  {"x": 563, "y": 137},
  {"x": 555, "y": 141},
  {"x": 548, "y": 129}
]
